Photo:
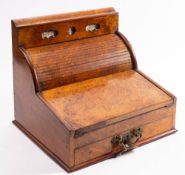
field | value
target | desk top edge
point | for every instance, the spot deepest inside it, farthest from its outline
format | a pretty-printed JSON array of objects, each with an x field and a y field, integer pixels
[{"x": 57, "y": 18}]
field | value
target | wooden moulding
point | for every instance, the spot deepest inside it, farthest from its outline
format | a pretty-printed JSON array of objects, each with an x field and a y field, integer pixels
[{"x": 77, "y": 85}]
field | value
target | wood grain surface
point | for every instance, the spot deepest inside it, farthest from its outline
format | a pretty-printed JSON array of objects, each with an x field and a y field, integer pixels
[
  {"x": 104, "y": 146},
  {"x": 68, "y": 62},
  {"x": 30, "y": 30},
  {"x": 101, "y": 99},
  {"x": 124, "y": 125},
  {"x": 58, "y": 18}
]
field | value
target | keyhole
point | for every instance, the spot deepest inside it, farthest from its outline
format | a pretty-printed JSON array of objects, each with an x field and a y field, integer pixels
[{"x": 71, "y": 30}]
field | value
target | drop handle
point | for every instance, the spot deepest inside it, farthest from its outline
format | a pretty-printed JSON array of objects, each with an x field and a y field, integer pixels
[{"x": 127, "y": 141}]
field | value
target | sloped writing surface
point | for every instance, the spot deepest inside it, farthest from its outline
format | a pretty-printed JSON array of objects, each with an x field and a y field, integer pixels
[{"x": 98, "y": 100}]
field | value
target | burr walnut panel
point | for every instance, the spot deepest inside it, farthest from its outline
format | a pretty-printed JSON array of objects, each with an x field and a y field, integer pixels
[
  {"x": 31, "y": 31},
  {"x": 98, "y": 101}
]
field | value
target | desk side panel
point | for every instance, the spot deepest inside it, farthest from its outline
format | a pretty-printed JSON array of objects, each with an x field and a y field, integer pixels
[{"x": 31, "y": 112}]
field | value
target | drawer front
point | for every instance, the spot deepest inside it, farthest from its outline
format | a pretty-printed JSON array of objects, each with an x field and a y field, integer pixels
[{"x": 149, "y": 130}]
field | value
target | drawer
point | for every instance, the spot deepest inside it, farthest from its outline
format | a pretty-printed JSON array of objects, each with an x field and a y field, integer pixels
[{"x": 161, "y": 121}]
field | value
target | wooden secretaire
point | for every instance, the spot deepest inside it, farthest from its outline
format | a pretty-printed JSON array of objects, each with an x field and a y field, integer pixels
[{"x": 78, "y": 93}]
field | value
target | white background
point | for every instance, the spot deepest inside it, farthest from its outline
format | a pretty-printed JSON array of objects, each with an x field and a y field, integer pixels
[{"x": 156, "y": 30}]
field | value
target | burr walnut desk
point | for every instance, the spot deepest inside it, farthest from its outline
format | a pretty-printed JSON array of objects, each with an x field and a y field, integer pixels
[{"x": 78, "y": 92}]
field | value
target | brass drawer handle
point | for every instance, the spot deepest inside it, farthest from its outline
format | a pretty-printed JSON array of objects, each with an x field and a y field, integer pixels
[{"x": 127, "y": 141}]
